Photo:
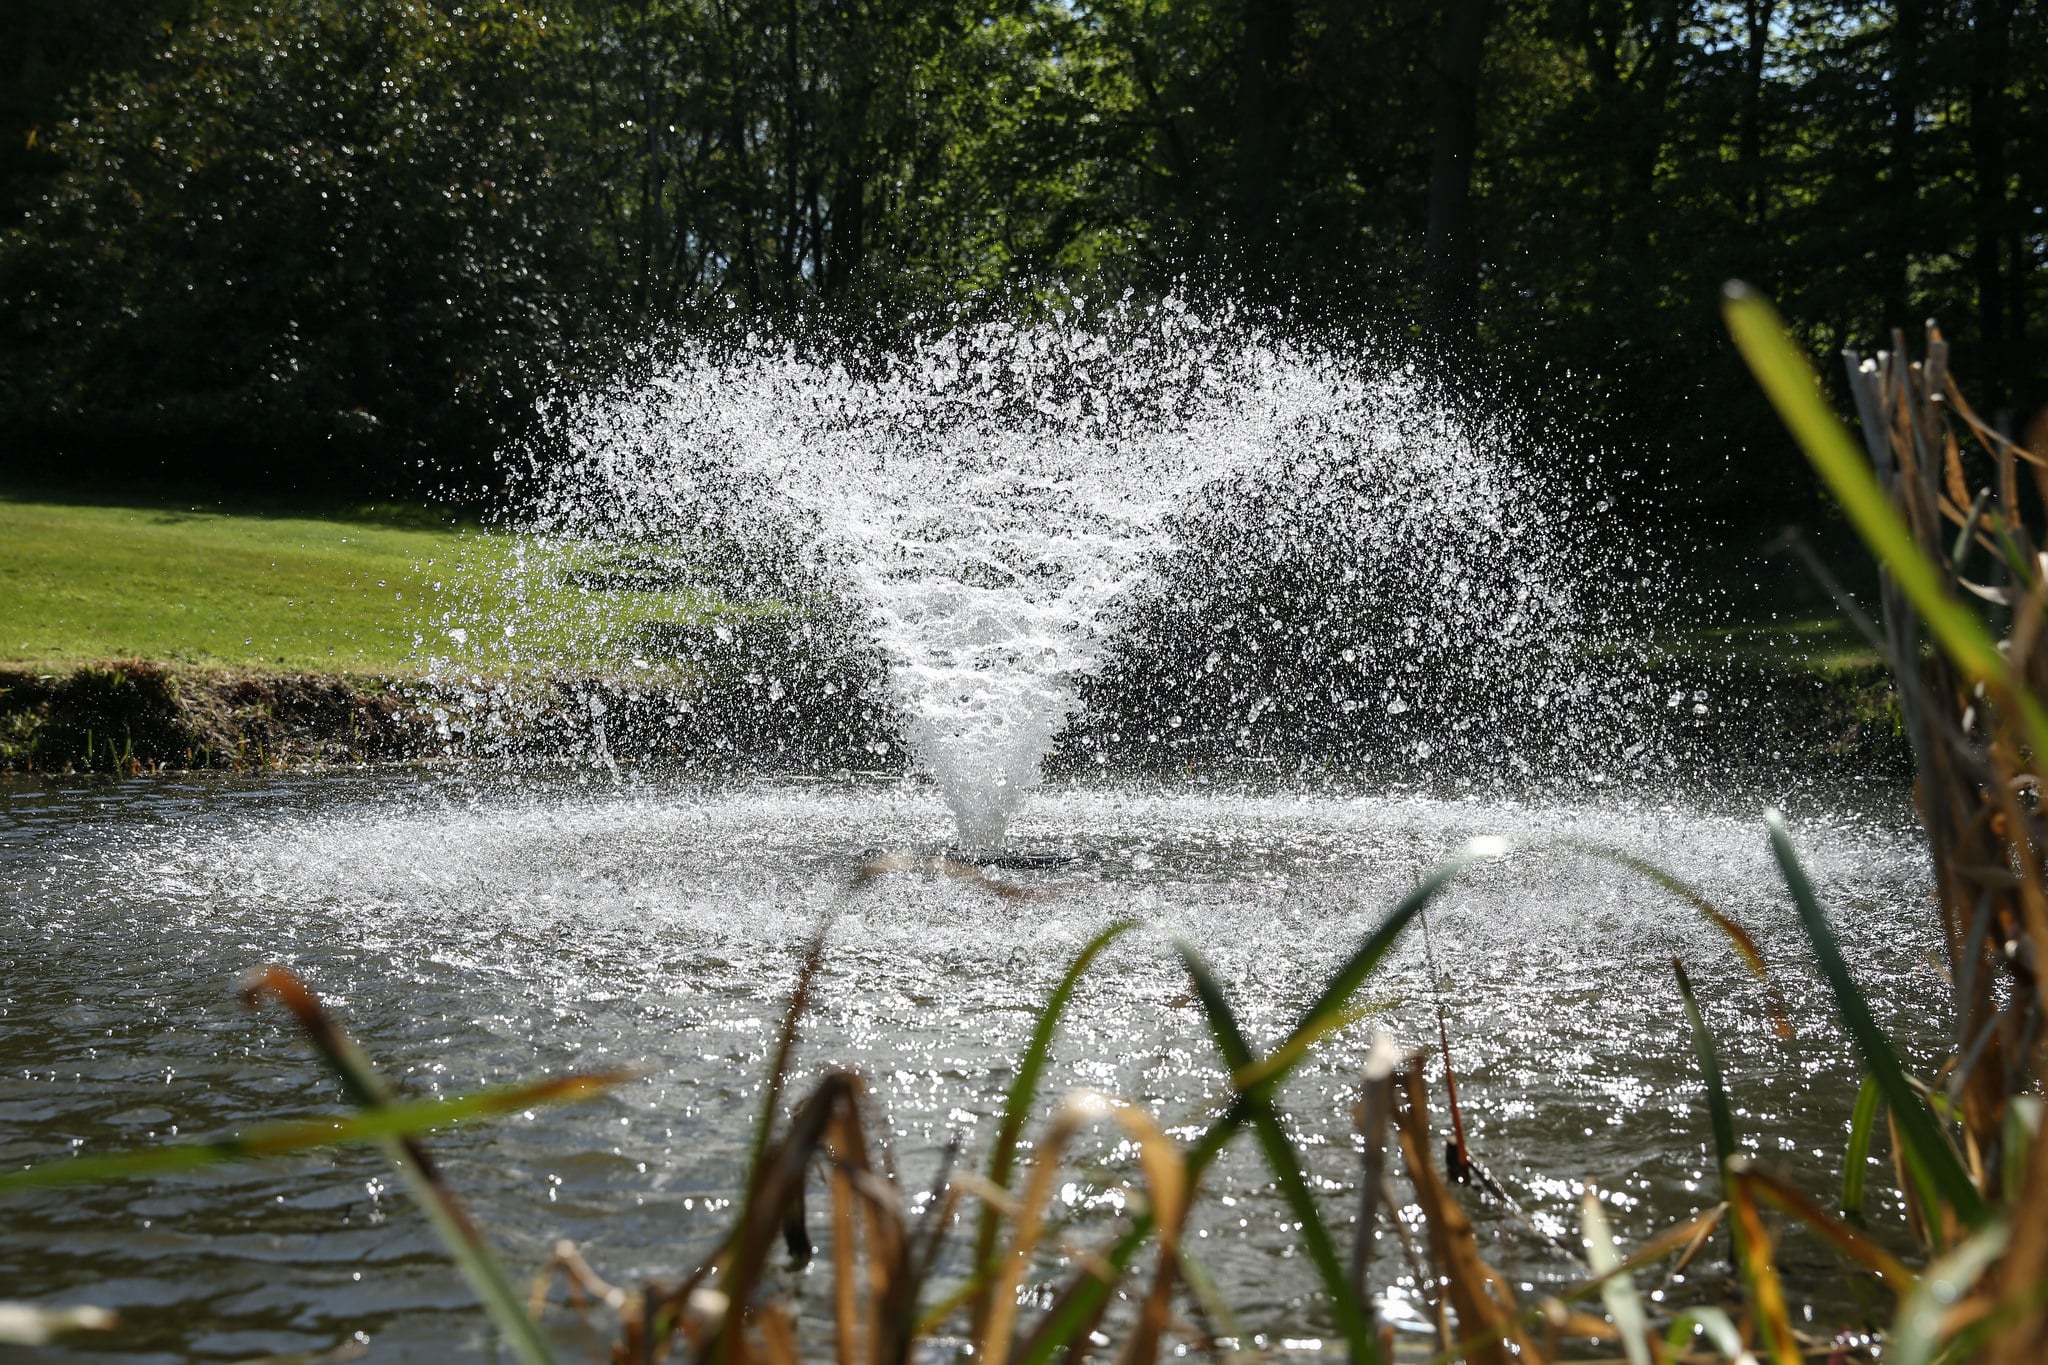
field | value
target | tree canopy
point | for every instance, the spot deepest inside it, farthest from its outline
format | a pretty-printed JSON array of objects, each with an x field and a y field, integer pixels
[{"x": 361, "y": 236}]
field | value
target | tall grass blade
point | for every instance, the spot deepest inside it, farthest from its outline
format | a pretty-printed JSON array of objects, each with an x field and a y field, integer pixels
[
  {"x": 1923, "y": 1136},
  {"x": 1375, "y": 1108},
  {"x": 1222, "y": 1318},
  {"x": 1327, "y": 1012},
  {"x": 1167, "y": 1189},
  {"x": 1353, "y": 1319},
  {"x": 2022, "y": 1130},
  {"x": 1845, "y": 1239},
  {"x": 1491, "y": 1328},
  {"x": 1916, "y": 1332},
  {"x": 741, "y": 1257},
  {"x": 1684, "y": 1239},
  {"x": 1760, "y": 1270},
  {"x": 1738, "y": 937},
  {"x": 362, "y": 1084},
  {"x": 1856, "y": 1160},
  {"x": 785, "y": 1051},
  {"x": 1461, "y": 1167},
  {"x": 1794, "y": 390},
  {"x": 1618, "y": 1292},
  {"x": 1711, "y": 1322},
  {"x": 1720, "y": 1116},
  {"x": 995, "y": 1338},
  {"x": 1323, "y": 1013},
  {"x": 1024, "y": 1091},
  {"x": 278, "y": 1139}
]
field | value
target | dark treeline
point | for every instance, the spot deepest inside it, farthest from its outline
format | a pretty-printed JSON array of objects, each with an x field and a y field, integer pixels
[{"x": 342, "y": 238}]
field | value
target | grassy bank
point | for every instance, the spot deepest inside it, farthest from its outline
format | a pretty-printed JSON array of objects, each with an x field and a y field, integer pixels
[
  {"x": 341, "y": 590},
  {"x": 247, "y": 608},
  {"x": 355, "y": 591},
  {"x": 133, "y": 716}
]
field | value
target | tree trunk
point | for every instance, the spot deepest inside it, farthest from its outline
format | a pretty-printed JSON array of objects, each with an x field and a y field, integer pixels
[
  {"x": 1264, "y": 140},
  {"x": 845, "y": 241},
  {"x": 1989, "y": 72},
  {"x": 1450, "y": 254},
  {"x": 1909, "y": 22},
  {"x": 1757, "y": 15}
]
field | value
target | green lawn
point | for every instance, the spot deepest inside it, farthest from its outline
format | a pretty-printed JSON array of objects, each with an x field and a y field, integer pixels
[
  {"x": 1825, "y": 646},
  {"x": 346, "y": 589},
  {"x": 340, "y": 589},
  {"x": 173, "y": 581}
]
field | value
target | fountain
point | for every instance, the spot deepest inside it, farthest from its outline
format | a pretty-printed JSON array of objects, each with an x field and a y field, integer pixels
[{"x": 1000, "y": 507}]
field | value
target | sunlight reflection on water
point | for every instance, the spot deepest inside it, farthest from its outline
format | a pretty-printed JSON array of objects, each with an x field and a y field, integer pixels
[{"x": 473, "y": 933}]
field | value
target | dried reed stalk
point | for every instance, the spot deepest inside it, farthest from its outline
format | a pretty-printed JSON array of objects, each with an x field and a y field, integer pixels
[
  {"x": 1489, "y": 1322},
  {"x": 1977, "y": 748}
]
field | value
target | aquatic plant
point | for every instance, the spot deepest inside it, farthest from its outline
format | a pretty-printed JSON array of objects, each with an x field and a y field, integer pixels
[{"x": 1967, "y": 1154}]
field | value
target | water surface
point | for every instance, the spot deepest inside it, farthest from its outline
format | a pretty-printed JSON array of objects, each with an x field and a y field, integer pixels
[{"x": 472, "y": 933}]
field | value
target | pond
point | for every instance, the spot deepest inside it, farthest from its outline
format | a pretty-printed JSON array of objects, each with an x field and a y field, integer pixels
[{"x": 471, "y": 931}]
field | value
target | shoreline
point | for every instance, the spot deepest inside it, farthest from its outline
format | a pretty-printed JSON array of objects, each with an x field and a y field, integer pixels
[{"x": 134, "y": 716}]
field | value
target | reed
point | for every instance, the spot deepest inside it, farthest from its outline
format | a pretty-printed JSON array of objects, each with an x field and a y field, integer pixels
[{"x": 1966, "y": 1147}]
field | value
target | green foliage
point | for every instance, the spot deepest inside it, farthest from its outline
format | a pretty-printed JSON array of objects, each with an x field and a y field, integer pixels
[
  {"x": 1856, "y": 1156},
  {"x": 380, "y": 233},
  {"x": 1023, "y": 1090},
  {"x": 409, "y": 1119},
  {"x": 305, "y": 225},
  {"x": 48, "y": 48},
  {"x": 1928, "y": 1150},
  {"x": 1719, "y": 1112},
  {"x": 1354, "y": 1318}
]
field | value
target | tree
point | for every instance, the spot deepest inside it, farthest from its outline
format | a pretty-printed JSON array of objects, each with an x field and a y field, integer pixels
[{"x": 309, "y": 229}]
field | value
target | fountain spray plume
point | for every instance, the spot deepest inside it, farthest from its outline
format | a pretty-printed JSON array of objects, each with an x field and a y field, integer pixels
[{"x": 994, "y": 510}]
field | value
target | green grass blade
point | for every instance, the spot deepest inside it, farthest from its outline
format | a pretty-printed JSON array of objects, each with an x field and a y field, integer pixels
[
  {"x": 1618, "y": 1289},
  {"x": 1916, "y": 1332},
  {"x": 1334, "y": 1008},
  {"x": 1031, "y": 1065},
  {"x": 1344, "y": 983},
  {"x": 473, "y": 1256},
  {"x": 1869, "y": 1101},
  {"x": 1794, "y": 390},
  {"x": 1917, "y": 1124},
  {"x": 2022, "y": 1129},
  {"x": 1720, "y": 1116},
  {"x": 1321, "y": 1015},
  {"x": 1737, "y": 936},
  {"x": 1351, "y": 1315},
  {"x": 1713, "y": 1323},
  {"x": 1966, "y": 534},
  {"x": 785, "y": 1053},
  {"x": 1024, "y": 1089},
  {"x": 278, "y": 1139},
  {"x": 463, "y": 1239},
  {"x": 1202, "y": 1285},
  {"x": 1709, "y": 1057}
]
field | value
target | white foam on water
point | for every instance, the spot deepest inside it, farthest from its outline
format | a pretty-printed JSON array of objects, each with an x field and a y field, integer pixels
[{"x": 1279, "y": 879}]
